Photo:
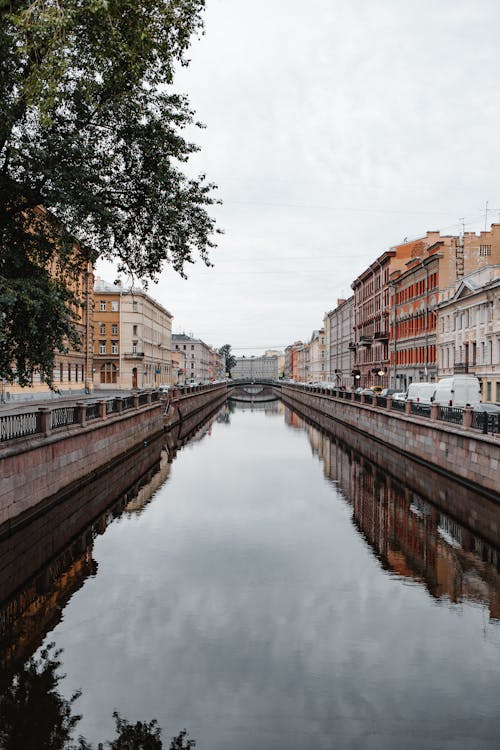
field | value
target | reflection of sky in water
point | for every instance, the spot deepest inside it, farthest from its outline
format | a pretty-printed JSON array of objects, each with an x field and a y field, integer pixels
[{"x": 243, "y": 605}]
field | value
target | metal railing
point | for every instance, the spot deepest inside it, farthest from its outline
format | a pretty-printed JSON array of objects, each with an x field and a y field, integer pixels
[
  {"x": 13, "y": 426},
  {"x": 486, "y": 422},
  {"x": 451, "y": 414},
  {"x": 92, "y": 412},
  {"x": 112, "y": 406},
  {"x": 65, "y": 416},
  {"x": 420, "y": 410},
  {"x": 398, "y": 405},
  {"x": 128, "y": 403}
]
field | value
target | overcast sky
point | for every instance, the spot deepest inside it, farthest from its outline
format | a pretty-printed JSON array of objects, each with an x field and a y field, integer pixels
[{"x": 335, "y": 129}]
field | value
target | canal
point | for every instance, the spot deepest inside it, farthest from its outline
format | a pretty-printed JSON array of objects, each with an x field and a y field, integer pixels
[{"x": 265, "y": 585}]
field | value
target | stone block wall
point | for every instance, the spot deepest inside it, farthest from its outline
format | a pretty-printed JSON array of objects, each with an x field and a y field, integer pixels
[{"x": 470, "y": 456}]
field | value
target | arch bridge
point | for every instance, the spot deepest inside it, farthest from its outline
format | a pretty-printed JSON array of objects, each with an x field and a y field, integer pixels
[{"x": 252, "y": 390}]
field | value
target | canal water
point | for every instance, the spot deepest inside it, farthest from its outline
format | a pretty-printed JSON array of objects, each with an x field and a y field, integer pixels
[{"x": 269, "y": 588}]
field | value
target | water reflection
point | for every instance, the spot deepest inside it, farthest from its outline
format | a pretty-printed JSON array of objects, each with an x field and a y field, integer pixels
[
  {"x": 258, "y": 600},
  {"x": 411, "y": 535}
]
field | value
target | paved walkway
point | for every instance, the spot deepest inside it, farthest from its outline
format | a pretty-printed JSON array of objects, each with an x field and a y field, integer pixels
[{"x": 66, "y": 398}]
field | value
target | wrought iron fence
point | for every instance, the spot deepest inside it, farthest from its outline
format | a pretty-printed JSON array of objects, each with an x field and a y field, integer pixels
[
  {"x": 19, "y": 425},
  {"x": 451, "y": 414},
  {"x": 420, "y": 410},
  {"x": 155, "y": 396},
  {"x": 111, "y": 406},
  {"x": 381, "y": 401},
  {"x": 127, "y": 403},
  {"x": 368, "y": 398},
  {"x": 357, "y": 397},
  {"x": 398, "y": 405},
  {"x": 143, "y": 398},
  {"x": 92, "y": 412},
  {"x": 63, "y": 417},
  {"x": 486, "y": 422}
]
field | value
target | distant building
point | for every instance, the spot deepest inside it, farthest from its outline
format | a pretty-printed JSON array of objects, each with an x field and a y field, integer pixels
[
  {"x": 340, "y": 343},
  {"x": 201, "y": 359},
  {"x": 254, "y": 368}
]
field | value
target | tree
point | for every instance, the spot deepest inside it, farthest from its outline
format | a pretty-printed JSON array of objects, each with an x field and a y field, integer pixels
[
  {"x": 230, "y": 359},
  {"x": 91, "y": 131}
]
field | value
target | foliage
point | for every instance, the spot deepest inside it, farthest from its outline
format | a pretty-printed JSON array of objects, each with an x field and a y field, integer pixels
[
  {"x": 225, "y": 351},
  {"x": 91, "y": 130},
  {"x": 32, "y": 712}
]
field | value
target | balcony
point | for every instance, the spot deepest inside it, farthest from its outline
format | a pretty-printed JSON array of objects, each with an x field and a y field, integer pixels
[
  {"x": 351, "y": 345},
  {"x": 133, "y": 355},
  {"x": 381, "y": 335},
  {"x": 460, "y": 368},
  {"x": 365, "y": 340}
]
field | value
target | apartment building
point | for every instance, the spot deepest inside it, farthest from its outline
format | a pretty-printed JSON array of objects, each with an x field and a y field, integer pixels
[
  {"x": 339, "y": 333},
  {"x": 253, "y": 368},
  {"x": 315, "y": 357},
  {"x": 468, "y": 330},
  {"x": 201, "y": 363},
  {"x": 132, "y": 338}
]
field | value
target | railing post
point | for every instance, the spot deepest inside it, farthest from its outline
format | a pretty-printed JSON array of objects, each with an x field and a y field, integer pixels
[
  {"x": 102, "y": 409},
  {"x": 119, "y": 404},
  {"x": 148, "y": 395},
  {"x": 361, "y": 398},
  {"x": 81, "y": 412},
  {"x": 434, "y": 412},
  {"x": 136, "y": 400},
  {"x": 388, "y": 403},
  {"x": 407, "y": 407},
  {"x": 45, "y": 423},
  {"x": 467, "y": 417}
]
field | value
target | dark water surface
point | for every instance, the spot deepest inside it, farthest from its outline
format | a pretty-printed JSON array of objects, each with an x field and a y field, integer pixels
[{"x": 272, "y": 589}]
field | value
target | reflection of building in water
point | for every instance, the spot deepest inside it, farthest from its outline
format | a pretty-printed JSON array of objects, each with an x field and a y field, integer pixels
[
  {"x": 37, "y": 608},
  {"x": 273, "y": 408},
  {"x": 410, "y": 535},
  {"x": 151, "y": 482}
]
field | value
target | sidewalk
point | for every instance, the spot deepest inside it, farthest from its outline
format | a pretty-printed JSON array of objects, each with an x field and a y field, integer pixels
[{"x": 66, "y": 398}]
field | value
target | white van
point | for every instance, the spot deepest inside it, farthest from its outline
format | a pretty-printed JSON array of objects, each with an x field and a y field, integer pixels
[
  {"x": 458, "y": 390},
  {"x": 422, "y": 393}
]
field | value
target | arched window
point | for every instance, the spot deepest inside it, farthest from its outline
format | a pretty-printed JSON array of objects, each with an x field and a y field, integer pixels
[{"x": 108, "y": 373}]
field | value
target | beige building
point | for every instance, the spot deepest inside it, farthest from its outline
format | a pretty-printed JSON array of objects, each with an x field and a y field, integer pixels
[
  {"x": 468, "y": 330},
  {"x": 315, "y": 358},
  {"x": 281, "y": 359},
  {"x": 132, "y": 339},
  {"x": 340, "y": 346},
  {"x": 254, "y": 368},
  {"x": 202, "y": 362}
]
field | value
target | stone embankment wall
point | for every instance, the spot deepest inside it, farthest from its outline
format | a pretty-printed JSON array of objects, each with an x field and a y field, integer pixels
[
  {"x": 183, "y": 403},
  {"x": 472, "y": 457},
  {"x": 473, "y": 510},
  {"x": 36, "y": 468}
]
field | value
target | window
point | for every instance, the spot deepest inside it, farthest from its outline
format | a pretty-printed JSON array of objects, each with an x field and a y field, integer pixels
[
  {"x": 192, "y": 347},
  {"x": 134, "y": 306},
  {"x": 114, "y": 305},
  {"x": 488, "y": 391},
  {"x": 114, "y": 329},
  {"x": 134, "y": 332},
  {"x": 497, "y": 397},
  {"x": 184, "y": 347},
  {"x": 484, "y": 249},
  {"x": 102, "y": 306},
  {"x": 114, "y": 347},
  {"x": 102, "y": 329},
  {"x": 102, "y": 347},
  {"x": 108, "y": 373},
  {"x": 134, "y": 347},
  {"x": 69, "y": 372}
]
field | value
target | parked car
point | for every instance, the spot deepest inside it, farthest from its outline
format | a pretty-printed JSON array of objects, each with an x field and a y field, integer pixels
[
  {"x": 488, "y": 408},
  {"x": 458, "y": 390},
  {"x": 422, "y": 393},
  {"x": 164, "y": 388},
  {"x": 399, "y": 396},
  {"x": 388, "y": 391}
]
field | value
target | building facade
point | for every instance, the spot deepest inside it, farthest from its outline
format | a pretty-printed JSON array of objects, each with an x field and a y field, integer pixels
[
  {"x": 201, "y": 361},
  {"x": 468, "y": 330},
  {"x": 132, "y": 339},
  {"x": 340, "y": 343},
  {"x": 254, "y": 368}
]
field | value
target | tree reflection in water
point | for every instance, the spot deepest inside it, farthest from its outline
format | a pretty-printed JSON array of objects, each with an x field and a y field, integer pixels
[{"x": 35, "y": 716}]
